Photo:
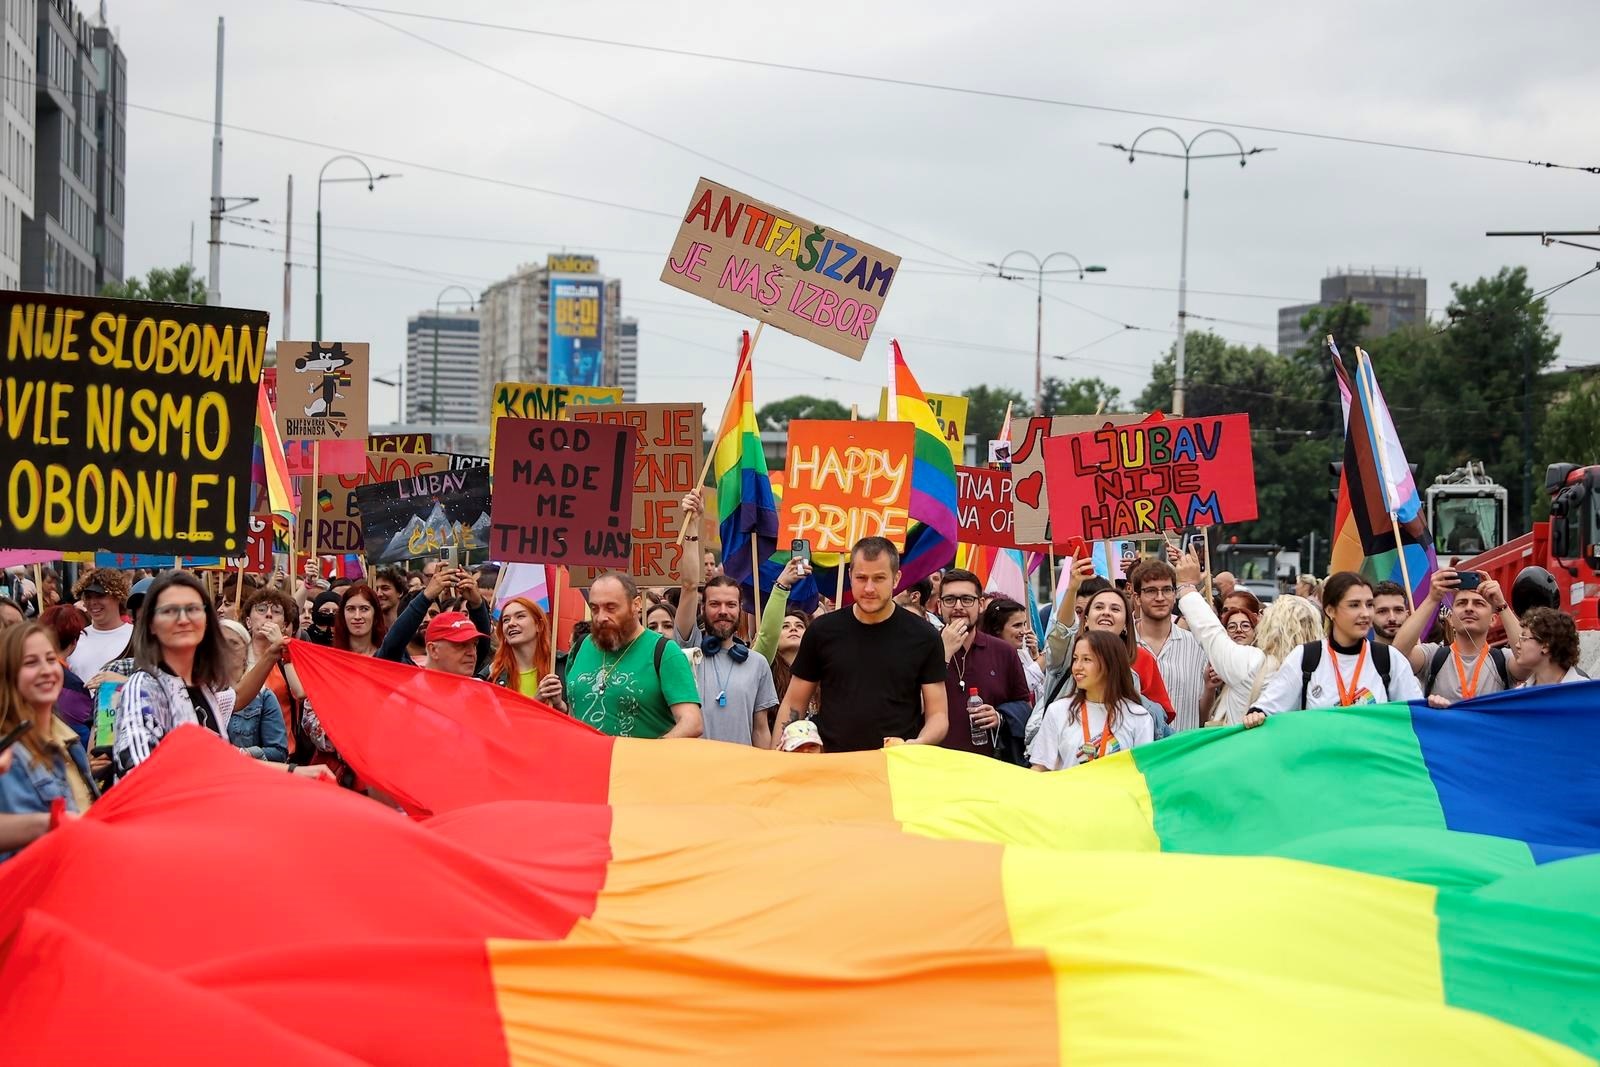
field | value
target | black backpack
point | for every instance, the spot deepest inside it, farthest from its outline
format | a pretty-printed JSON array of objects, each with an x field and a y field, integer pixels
[
  {"x": 1311, "y": 659},
  {"x": 1435, "y": 665}
]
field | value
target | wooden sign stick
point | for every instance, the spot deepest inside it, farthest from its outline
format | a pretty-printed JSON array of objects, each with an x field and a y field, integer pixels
[{"x": 711, "y": 453}]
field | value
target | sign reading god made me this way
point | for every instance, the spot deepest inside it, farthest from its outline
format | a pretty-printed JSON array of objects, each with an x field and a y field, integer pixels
[
  {"x": 1030, "y": 506},
  {"x": 847, "y": 480},
  {"x": 425, "y": 516},
  {"x": 127, "y": 426},
  {"x": 772, "y": 265},
  {"x": 322, "y": 406},
  {"x": 1141, "y": 479},
  {"x": 668, "y": 446},
  {"x": 563, "y": 494}
]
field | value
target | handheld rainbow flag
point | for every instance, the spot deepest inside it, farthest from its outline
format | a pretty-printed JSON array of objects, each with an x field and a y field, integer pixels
[
  {"x": 935, "y": 529},
  {"x": 746, "y": 507},
  {"x": 271, "y": 466},
  {"x": 1379, "y": 514}
]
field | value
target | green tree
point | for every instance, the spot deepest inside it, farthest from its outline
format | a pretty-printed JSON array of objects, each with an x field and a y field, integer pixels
[
  {"x": 180, "y": 285},
  {"x": 777, "y": 415},
  {"x": 986, "y": 409},
  {"x": 1080, "y": 396}
]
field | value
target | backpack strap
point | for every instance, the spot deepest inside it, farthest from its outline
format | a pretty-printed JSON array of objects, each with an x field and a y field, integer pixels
[
  {"x": 1498, "y": 655},
  {"x": 661, "y": 650},
  {"x": 1310, "y": 660},
  {"x": 1381, "y": 660},
  {"x": 1435, "y": 665}
]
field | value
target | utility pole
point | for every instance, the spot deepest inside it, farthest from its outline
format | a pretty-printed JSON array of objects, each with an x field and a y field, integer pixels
[
  {"x": 1179, "y": 385},
  {"x": 288, "y": 240},
  {"x": 1546, "y": 238},
  {"x": 213, "y": 280}
]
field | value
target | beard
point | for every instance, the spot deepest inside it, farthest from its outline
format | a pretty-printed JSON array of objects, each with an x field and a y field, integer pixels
[
  {"x": 722, "y": 629},
  {"x": 608, "y": 635}
]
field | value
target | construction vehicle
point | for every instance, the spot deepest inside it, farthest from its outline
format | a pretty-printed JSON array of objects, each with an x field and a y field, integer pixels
[
  {"x": 1466, "y": 511},
  {"x": 1568, "y": 546}
]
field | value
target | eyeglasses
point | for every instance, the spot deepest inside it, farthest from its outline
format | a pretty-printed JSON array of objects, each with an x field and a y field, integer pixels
[
  {"x": 1158, "y": 590},
  {"x": 1239, "y": 627},
  {"x": 180, "y": 611},
  {"x": 952, "y": 600}
]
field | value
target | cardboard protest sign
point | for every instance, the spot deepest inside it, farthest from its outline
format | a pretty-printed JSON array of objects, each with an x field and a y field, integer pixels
[
  {"x": 400, "y": 442},
  {"x": 669, "y": 445},
  {"x": 983, "y": 506},
  {"x": 563, "y": 493},
  {"x": 1141, "y": 479},
  {"x": 257, "y": 557},
  {"x": 772, "y": 265},
  {"x": 951, "y": 414},
  {"x": 460, "y": 461},
  {"x": 517, "y": 400},
  {"x": 845, "y": 481},
  {"x": 126, "y": 425},
  {"x": 335, "y": 525},
  {"x": 1029, "y": 504},
  {"x": 425, "y": 516},
  {"x": 322, "y": 397}
]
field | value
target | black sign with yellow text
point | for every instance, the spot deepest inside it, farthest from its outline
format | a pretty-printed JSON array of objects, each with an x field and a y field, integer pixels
[{"x": 127, "y": 426}]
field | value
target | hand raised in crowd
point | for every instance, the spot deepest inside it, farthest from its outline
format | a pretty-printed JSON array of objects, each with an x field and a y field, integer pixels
[
  {"x": 1079, "y": 571},
  {"x": 796, "y": 569},
  {"x": 1492, "y": 593},
  {"x": 275, "y": 638},
  {"x": 692, "y": 503},
  {"x": 550, "y": 692},
  {"x": 1445, "y": 581},
  {"x": 442, "y": 579},
  {"x": 1187, "y": 564},
  {"x": 954, "y": 635},
  {"x": 1030, "y": 642},
  {"x": 468, "y": 589}
]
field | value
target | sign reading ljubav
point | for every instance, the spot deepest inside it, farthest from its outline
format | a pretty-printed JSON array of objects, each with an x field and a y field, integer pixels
[{"x": 760, "y": 261}]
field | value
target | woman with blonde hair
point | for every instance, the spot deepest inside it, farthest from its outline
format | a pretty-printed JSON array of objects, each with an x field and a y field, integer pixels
[{"x": 1288, "y": 622}]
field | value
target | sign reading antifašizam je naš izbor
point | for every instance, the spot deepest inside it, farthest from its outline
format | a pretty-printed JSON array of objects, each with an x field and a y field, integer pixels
[
  {"x": 127, "y": 426},
  {"x": 772, "y": 265}
]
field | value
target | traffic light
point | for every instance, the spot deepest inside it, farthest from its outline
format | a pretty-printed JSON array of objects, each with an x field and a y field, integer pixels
[{"x": 1336, "y": 469}]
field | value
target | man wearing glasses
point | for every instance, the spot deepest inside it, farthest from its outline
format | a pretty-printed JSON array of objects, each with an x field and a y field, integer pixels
[
  {"x": 975, "y": 660},
  {"x": 1178, "y": 653}
]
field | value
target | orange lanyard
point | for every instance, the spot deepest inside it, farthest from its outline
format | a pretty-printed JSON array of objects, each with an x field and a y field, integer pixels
[
  {"x": 1105, "y": 735},
  {"x": 1347, "y": 696},
  {"x": 1468, "y": 689}
]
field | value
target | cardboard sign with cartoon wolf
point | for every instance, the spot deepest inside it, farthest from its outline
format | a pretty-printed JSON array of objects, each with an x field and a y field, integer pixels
[{"x": 322, "y": 397}]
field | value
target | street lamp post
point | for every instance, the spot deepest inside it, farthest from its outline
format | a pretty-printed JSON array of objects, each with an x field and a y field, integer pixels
[
  {"x": 1188, "y": 156},
  {"x": 1039, "y": 266},
  {"x": 371, "y": 179},
  {"x": 399, "y": 393},
  {"x": 438, "y": 311}
]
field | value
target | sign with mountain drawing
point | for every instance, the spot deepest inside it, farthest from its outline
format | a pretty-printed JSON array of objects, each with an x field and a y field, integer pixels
[{"x": 426, "y": 515}]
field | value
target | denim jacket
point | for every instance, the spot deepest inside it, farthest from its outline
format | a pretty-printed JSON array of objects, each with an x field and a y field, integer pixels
[
  {"x": 257, "y": 729},
  {"x": 32, "y": 783}
]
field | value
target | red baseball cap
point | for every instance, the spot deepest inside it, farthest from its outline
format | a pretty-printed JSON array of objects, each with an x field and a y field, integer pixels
[{"x": 452, "y": 626}]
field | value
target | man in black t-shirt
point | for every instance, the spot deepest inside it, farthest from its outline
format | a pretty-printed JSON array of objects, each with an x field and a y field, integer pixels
[{"x": 880, "y": 668}]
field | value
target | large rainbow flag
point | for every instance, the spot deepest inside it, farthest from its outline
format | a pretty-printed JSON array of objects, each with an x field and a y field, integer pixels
[
  {"x": 1378, "y": 885},
  {"x": 270, "y": 468},
  {"x": 746, "y": 507}
]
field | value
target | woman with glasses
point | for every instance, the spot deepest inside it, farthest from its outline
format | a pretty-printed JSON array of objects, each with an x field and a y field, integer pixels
[{"x": 181, "y": 674}]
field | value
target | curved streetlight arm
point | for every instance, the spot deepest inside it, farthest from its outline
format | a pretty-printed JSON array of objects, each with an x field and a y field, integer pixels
[{"x": 438, "y": 303}]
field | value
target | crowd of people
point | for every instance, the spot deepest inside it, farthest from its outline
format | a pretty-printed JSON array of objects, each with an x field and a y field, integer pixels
[{"x": 90, "y": 685}]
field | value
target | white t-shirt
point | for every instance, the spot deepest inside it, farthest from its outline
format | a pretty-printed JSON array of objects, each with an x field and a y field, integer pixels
[
  {"x": 96, "y": 648},
  {"x": 1059, "y": 742},
  {"x": 1282, "y": 691}
]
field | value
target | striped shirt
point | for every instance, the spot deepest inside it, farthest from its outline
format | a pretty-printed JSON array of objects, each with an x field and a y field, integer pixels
[{"x": 1183, "y": 665}]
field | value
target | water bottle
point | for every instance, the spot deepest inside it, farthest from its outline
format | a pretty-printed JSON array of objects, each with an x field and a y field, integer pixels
[{"x": 974, "y": 702}]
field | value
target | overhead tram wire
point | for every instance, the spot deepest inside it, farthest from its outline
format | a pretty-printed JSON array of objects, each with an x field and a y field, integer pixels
[
  {"x": 992, "y": 94},
  {"x": 645, "y": 132}
]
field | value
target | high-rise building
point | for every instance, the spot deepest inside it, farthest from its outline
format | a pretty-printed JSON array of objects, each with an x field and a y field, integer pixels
[
  {"x": 111, "y": 129},
  {"x": 1394, "y": 298},
  {"x": 628, "y": 359},
  {"x": 63, "y": 247},
  {"x": 17, "y": 109},
  {"x": 566, "y": 306},
  {"x": 455, "y": 333}
]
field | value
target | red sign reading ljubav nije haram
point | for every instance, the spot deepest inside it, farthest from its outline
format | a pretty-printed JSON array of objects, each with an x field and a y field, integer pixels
[{"x": 1145, "y": 477}]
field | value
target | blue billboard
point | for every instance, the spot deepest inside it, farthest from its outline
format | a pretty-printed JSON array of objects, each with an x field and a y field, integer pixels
[{"x": 576, "y": 341}]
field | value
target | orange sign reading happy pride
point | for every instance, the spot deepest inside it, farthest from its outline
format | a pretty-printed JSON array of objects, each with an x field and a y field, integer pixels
[{"x": 847, "y": 480}]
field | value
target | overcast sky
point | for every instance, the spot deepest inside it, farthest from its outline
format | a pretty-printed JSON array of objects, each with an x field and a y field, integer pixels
[{"x": 947, "y": 181}]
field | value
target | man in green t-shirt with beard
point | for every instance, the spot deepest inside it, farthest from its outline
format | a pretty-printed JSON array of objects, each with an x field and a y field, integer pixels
[{"x": 627, "y": 681}]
